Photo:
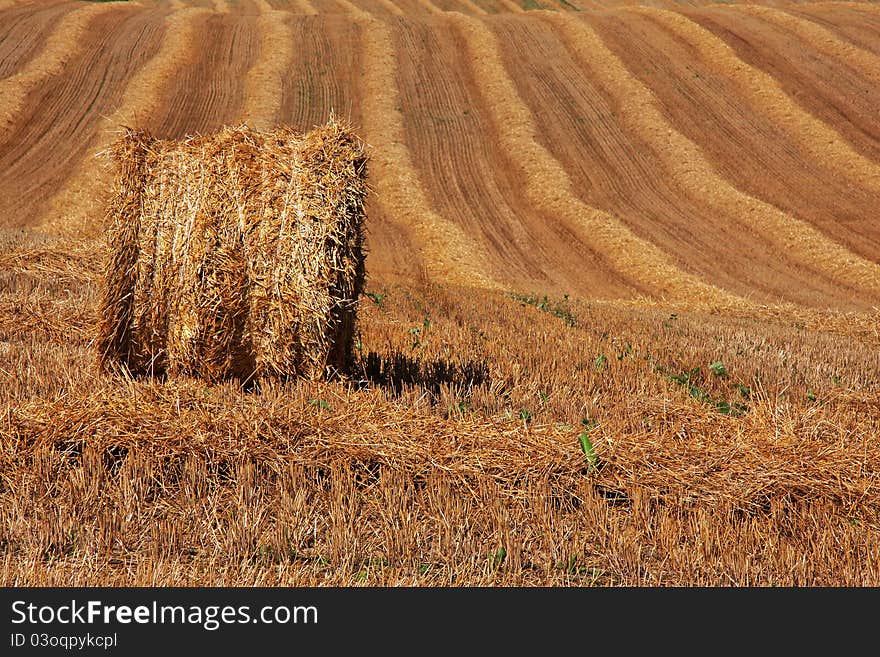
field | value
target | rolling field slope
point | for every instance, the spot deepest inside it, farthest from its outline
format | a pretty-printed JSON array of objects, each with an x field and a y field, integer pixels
[{"x": 623, "y": 305}]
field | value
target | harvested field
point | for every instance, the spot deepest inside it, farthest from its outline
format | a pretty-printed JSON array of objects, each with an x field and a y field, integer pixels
[
  {"x": 24, "y": 32},
  {"x": 755, "y": 134},
  {"x": 62, "y": 97},
  {"x": 621, "y": 314}
]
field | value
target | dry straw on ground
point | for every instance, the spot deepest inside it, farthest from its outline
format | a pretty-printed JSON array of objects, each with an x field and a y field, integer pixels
[{"x": 238, "y": 254}]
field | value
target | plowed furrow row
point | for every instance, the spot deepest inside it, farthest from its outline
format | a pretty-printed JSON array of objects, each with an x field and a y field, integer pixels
[
  {"x": 748, "y": 142},
  {"x": 58, "y": 118},
  {"x": 470, "y": 7},
  {"x": 322, "y": 77},
  {"x": 447, "y": 252},
  {"x": 427, "y": 7},
  {"x": 832, "y": 79},
  {"x": 490, "y": 6},
  {"x": 296, "y": 7},
  {"x": 30, "y": 4},
  {"x": 208, "y": 92},
  {"x": 351, "y": 8},
  {"x": 511, "y": 6},
  {"x": 621, "y": 171},
  {"x": 78, "y": 207},
  {"x": 265, "y": 80},
  {"x": 327, "y": 7},
  {"x": 445, "y": 5},
  {"x": 348, "y": 7},
  {"x": 801, "y": 244},
  {"x": 317, "y": 7},
  {"x": 249, "y": 6},
  {"x": 550, "y": 189},
  {"x": 24, "y": 32},
  {"x": 305, "y": 7},
  {"x": 813, "y": 136},
  {"x": 858, "y": 23},
  {"x": 65, "y": 42},
  {"x": 822, "y": 40},
  {"x": 468, "y": 178},
  {"x": 390, "y": 7},
  {"x": 409, "y": 7},
  {"x": 375, "y": 7}
]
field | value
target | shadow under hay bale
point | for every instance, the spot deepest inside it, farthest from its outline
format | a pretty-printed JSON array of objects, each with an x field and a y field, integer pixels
[
  {"x": 235, "y": 255},
  {"x": 395, "y": 371}
]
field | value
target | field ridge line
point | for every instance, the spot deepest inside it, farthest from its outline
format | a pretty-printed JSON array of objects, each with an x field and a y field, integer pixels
[
  {"x": 473, "y": 8},
  {"x": 549, "y": 188},
  {"x": 353, "y": 9},
  {"x": 565, "y": 5},
  {"x": 511, "y": 6},
  {"x": 305, "y": 7},
  {"x": 429, "y": 7},
  {"x": 815, "y": 137},
  {"x": 689, "y": 166},
  {"x": 63, "y": 43},
  {"x": 865, "y": 7},
  {"x": 69, "y": 209},
  {"x": 391, "y": 7},
  {"x": 448, "y": 253},
  {"x": 265, "y": 80},
  {"x": 822, "y": 39}
]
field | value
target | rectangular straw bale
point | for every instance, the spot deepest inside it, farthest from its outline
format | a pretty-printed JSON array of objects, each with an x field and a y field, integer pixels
[{"x": 238, "y": 254}]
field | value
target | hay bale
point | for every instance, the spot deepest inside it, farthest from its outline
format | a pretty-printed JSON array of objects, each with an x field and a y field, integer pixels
[{"x": 238, "y": 254}]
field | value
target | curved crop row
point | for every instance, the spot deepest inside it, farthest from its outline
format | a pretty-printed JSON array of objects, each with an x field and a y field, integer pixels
[
  {"x": 471, "y": 180},
  {"x": 815, "y": 137},
  {"x": 265, "y": 80},
  {"x": 449, "y": 254},
  {"x": 549, "y": 188},
  {"x": 689, "y": 167},
  {"x": 73, "y": 208},
  {"x": 741, "y": 137},
  {"x": 822, "y": 40},
  {"x": 829, "y": 76},
  {"x": 64, "y": 43},
  {"x": 24, "y": 32},
  {"x": 62, "y": 114}
]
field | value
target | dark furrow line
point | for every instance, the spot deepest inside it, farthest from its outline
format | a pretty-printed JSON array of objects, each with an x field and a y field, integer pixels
[{"x": 61, "y": 116}]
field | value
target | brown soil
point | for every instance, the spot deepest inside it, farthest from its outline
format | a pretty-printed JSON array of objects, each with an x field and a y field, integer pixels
[
  {"x": 475, "y": 182},
  {"x": 51, "y": 136},
  {"x": 209, "y": 92},
  {"x": 744, "y": 145},
  {"x": 24, "y": 30}
]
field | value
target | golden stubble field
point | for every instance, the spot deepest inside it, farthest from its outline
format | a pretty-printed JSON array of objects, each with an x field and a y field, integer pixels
[{"x": 621, "y": 317}]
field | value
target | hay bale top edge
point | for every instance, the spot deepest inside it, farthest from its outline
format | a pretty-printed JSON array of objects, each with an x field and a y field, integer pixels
[{"x": 282, "y": 137}]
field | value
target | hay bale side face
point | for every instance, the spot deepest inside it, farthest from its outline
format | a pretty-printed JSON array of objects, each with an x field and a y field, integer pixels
[
  {"x": 249, "y": 254},
  {"x": 149, "y": 296},
  {"x": 314, "y": 230},
  {"x": 208, "y": 291},
  {"x": 348, "y": 245},
  {"x": 115, "y": 343}
]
